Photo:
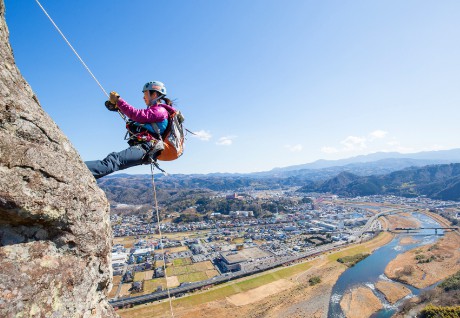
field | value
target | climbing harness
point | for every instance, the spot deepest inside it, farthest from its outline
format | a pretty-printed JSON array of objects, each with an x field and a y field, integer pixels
[
  {"x": 138, "y": 133},
  {"x": 152, "y": 163}
]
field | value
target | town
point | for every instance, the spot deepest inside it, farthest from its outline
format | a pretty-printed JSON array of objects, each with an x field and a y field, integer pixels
[{"x": 200, "y": 254}]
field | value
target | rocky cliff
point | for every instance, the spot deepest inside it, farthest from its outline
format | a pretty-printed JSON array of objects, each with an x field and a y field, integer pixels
[{"x": 55, "y": 235}]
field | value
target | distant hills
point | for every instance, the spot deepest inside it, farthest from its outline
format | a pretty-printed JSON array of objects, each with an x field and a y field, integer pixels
[
  {"x": 379, "y": 167},
  {"x": 429, "y": 157},
  {"x": 435, "y": 181},
  {"x": 434, "y": 174}
]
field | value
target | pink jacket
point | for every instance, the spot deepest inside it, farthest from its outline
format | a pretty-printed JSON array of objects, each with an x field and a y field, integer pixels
[{"x": 152, "y": 114}]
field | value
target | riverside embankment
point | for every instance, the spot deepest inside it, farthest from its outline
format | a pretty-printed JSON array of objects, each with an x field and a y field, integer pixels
[{"x": 353, "y": 286}]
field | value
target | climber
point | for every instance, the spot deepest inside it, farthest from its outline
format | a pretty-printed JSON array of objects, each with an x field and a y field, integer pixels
[{"x": 145, "y": 130}]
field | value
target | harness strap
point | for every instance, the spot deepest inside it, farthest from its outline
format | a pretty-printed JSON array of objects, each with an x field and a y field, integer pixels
[
  {"x": 157, "y": 129},
  {"x": 153, "y": 101}
]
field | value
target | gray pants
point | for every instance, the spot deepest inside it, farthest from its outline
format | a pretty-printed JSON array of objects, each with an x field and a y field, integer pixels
[{"x": 133, "y": 156}]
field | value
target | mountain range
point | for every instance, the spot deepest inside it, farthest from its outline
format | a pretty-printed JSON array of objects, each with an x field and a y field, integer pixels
[
  {"x": 428, "y": 173},
  {"x": 431, "y": 157},
  {"x": 434, "y": 181}
]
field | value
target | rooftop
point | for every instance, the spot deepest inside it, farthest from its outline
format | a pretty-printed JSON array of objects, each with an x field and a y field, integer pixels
[{"x": 244, "y": 255}]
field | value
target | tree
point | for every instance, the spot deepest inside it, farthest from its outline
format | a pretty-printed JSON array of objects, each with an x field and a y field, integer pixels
[{"x": 314, "y": 280}]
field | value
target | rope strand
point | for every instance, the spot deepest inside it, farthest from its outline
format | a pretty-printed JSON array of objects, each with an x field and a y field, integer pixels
[
  {"x": 161, "y": 238},
  {"x": 70, "y": 45},
  {"x": 81, "y": 60}
]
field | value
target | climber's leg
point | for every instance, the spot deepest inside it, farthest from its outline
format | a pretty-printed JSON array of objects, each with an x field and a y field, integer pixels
[{"x": 115, "y": 161}]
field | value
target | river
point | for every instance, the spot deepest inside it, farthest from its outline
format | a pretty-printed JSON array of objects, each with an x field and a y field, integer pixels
[{"x": 370, "y": 270}]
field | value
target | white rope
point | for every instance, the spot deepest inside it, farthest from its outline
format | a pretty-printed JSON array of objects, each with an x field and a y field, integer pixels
[
  {"x": 70, "y": 45},
  {"x": 81, "y": 60},
  {"x": 161, "y": 238}
]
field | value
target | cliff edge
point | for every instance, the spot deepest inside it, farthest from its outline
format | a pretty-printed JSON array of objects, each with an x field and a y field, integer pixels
[{"x": 55, "y": 235}]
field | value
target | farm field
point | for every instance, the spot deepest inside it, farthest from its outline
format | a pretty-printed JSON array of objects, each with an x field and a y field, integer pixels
[
  {"x": 182, "y": 261},
  {"x": 184, "y": 267},
  {"x": 128, "y": 241},
  {"x": 140, "y": 276},
  {"x": 113, "y": 291},
  {"x": 192, "y": 277},
  {"x": 172, "y": 282},
  {"x": 180, "y": 270},
  {"x": 125, "y": 290},
  {"x": 211, "y": 273},
  {"x": 116, "y": 280},
  {"x": 176, "y": 249},
  {"x": 151, "y": 285}
]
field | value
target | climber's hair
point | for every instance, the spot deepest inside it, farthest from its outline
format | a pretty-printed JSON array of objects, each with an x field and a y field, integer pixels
[{"x": 165, "y": 100}]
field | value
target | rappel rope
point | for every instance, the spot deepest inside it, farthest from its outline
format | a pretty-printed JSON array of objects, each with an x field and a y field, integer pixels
[
  {"x": 161, "y": 238},
  {"x": 70, "y": 45},
  {"x": 78, "y": 56},
  {"x": 124, "y": 118}
]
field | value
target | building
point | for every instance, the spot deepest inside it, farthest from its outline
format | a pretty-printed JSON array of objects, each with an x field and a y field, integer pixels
[
  {"x": 231, "y": 261},
  {"x": 234, "y": 196},
  {"x": 143, "y": 251},
  {"x": 136, "y": 287},
  {"x": 241, "y": 214},
  {"x": 159, "y": 272},
  {"x": 325, "y": 225},
  {"x": 119, "y": 259}
]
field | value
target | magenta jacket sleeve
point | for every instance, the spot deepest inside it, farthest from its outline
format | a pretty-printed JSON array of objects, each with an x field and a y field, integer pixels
[{"x": 152, "y": 114}]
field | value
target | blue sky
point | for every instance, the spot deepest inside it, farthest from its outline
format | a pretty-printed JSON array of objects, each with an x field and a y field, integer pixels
[{"x": 264, "y": 83}]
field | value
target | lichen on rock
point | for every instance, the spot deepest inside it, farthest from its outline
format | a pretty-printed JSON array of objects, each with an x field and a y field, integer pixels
[{"x": 55, "y": 235}]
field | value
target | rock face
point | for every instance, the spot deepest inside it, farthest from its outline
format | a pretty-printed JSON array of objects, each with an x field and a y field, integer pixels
[{"x": 55, "y": 235}]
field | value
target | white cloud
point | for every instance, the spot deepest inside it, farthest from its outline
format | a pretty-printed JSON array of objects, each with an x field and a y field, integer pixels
[
  {"x": 225, "y": 141},
  {"x": 294, "y": 148},
  {"x": 393, "y": 143},
  {"x": 354, "y": 143},
  {"x": 374, "y": 141},
  {"x": 378, "y": 134},
  {"x": 202, "y": 135},
  {"x": 329, "y": 150}
]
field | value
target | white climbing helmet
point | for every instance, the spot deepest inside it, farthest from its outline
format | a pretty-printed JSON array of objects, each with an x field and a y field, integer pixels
[{"x": 155, "y": 86}]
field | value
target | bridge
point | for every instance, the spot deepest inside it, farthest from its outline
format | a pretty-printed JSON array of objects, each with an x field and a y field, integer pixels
[{"x": 409, "y": 229}]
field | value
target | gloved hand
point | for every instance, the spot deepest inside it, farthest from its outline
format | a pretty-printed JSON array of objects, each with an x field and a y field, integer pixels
[
  {"x": 113, "y": 98},
  {"x": 180, "y": 117},
  {"x": 110, "y": 106}
]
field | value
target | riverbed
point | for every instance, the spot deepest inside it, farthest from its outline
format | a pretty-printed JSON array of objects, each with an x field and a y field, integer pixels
[{"x": 370, "y": 270}]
